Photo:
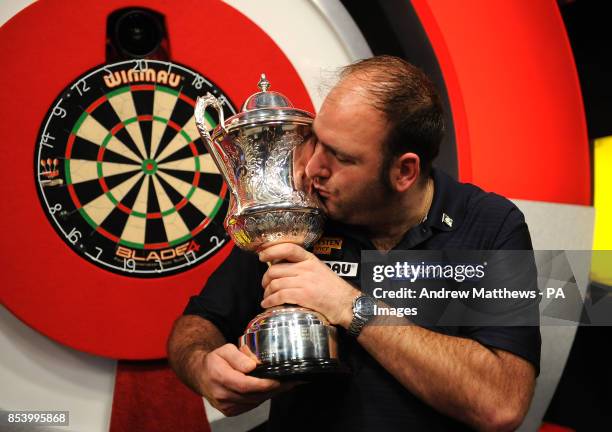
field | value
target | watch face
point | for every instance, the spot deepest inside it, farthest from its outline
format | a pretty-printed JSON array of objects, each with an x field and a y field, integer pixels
[
  {"x": 123, "y": 175},
  {"x": 364, "y": 306}
]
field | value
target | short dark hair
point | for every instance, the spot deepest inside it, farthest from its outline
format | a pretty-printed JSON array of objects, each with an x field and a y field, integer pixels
[{"x": 411, "y": 104}]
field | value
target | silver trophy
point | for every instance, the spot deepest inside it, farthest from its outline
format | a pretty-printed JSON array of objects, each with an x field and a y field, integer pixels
[{"x": 262, "y": 154}]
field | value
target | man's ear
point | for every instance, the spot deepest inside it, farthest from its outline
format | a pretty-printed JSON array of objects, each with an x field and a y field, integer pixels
[{"x": 404, "y": 171}]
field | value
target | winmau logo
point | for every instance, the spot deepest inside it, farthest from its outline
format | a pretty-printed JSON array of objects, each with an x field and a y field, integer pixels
[{"x": 342, "y": 268}]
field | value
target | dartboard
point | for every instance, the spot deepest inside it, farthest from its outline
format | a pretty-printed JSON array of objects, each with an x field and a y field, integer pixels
[
  {"x": 122, "y": 173},
  {"x": 113, "y": 204}
]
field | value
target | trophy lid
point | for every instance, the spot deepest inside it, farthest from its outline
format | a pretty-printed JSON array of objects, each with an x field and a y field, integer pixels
[{"x": 266, "y": 107}]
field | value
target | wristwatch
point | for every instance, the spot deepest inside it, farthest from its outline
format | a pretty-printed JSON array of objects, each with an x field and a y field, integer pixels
[{"x": 363, "y": 311}]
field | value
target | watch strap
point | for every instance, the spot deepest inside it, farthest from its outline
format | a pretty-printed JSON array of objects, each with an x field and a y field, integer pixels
[{"x": 359, "y": 321}]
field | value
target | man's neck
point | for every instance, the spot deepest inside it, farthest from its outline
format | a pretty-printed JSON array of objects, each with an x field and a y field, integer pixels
[{"x": 407, "y": 211}]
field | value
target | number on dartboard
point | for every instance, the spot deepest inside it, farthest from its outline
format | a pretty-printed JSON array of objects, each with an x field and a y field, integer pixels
[
  {"x": 140, "y": 65},
  {"x": 74, "y": 236},
  {"x": 129, "y": 264},
  {"x": 45, "y": 140},
  {"x": 123, "y": 174},
  {"x": 81, "y": 87},
  {"x": 53, "y": 209},
  {"x": 59, "y": 112}
]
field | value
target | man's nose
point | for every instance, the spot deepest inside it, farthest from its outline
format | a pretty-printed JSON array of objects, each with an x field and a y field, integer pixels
[{"x": 317, "y": 165}]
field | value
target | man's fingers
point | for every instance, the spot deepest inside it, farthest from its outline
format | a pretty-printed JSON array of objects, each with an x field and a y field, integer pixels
[
  {"x": 281, "y": 284},
  {"x": 244, "y": 384},
  {"x": 234, "y": 404},
  {"x": 236, "y": 359},
  {"x": 284, "y": 252},
  {"x": 283, "y": 296},
  {"x": 247, "y": 351},
  {"x": 277, "y": 271}
]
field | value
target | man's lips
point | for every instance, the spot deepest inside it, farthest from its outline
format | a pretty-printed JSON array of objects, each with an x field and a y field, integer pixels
[{"x": 322, "y": 192}]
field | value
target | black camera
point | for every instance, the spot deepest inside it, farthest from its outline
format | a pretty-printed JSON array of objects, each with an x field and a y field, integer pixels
[{"x": 136, "y": 33}]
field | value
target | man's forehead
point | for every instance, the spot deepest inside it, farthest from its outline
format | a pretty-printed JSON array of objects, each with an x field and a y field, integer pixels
[
  {"x": 350, "y": 86},
  {"x": 348, "y": 120}
]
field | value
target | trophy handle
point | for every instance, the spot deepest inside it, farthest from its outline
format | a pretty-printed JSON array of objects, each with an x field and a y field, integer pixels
[{"x": 202, "y": 103}]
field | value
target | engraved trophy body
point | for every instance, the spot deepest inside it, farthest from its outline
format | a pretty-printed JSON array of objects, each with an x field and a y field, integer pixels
[{"x": 262, "y": 154}]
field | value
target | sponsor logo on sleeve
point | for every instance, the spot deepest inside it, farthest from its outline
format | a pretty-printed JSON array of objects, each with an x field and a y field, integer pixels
[
  {"x": 326, "y": 244},
  {"x": 343, "y": 268}
]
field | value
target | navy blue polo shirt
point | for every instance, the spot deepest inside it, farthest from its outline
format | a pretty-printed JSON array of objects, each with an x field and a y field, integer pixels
[{"x": 462, "y": 216}]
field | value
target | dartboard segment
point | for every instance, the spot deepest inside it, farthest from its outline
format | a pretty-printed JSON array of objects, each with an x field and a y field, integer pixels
[
  {"x": 164, "y": 101},
  {"x": 122, "y": 102},
  {"x": 123, "y": 174}
]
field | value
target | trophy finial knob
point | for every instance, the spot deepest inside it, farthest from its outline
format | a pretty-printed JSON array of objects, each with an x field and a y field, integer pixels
[{"x": 263, "y": 83}]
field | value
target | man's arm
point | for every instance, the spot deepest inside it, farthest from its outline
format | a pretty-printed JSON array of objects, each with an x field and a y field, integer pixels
[
  {"x": 216, "y": 370},
  {"x": 488, "y": 389},
  {"x": 191, "y": 339}
]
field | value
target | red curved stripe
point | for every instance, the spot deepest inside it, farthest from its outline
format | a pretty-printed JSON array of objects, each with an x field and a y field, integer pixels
[{"x": 515, "y": 97}]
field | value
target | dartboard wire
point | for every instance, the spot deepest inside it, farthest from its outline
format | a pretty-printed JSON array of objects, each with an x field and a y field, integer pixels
[
  {"x": 87, "y": 127},
  {"x": 223, "y": 195},
  {"x": 128, "y": 234},
  {"x": 177, "y": 94},
  {"x": 109, "y": 200},
  {"x": 207, "y": 164},
  {"x": 186, "y": 237},
  {"x": 186, "y": 190},
  {"x": 190, "y": 191},
  {"x": 169, "y": 66},
  {"x": 83, "y": 170},
  {"x": 89, "y": 110},
  {"x": 175, "y": 227},
  {"x": 147, "y": 143},
  {"x": 105, "y": 97},
  {"x": 132, "y": 105},
  {"x": 187, "y": 129},
  {"x": 162, "y": 92},
  {"x": 130, "y": 155},
  {"x": 211, "y": 212},
  {"x": 141, "y": 202},
  {"x": 217, "y": 239},
  {"x": 221, "y": 198},
  {"x": 122, "y": 102},
  {"x": 219, "y": 243},
  {"x": 67, "y": 213},
  {"x": 87, "y": 124},
  {"x": 118, "y": 202},
  {"x": 186, "y": 135},
  {"x": 196, "y": 158},
  {"x": 41, "y": 144}
]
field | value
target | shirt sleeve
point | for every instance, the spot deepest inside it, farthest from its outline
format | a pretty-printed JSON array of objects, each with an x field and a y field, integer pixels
[
  {"x": 231, "y": 296},
  {"x": 523, "y": 341}
]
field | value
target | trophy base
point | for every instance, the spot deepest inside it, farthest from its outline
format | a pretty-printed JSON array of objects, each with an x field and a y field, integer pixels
[
  {"x": 302, "y": 370},
  {"x": 292, "y": 343}
]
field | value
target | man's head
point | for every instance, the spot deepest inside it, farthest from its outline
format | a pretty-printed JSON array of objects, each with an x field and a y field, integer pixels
[
  {"x": 377, "y": 132},
  {"x": 411, "y": 104}
]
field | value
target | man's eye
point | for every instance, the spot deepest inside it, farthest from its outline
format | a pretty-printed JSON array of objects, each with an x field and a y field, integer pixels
[{"x": 343, "y": 159}]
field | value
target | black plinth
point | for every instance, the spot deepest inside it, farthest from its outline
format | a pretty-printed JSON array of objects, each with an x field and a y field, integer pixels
[{"x": 302, "y": 370}]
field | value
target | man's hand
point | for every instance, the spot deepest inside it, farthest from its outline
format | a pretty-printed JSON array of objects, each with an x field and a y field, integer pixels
[
  {"x": 224, "y": 383},
  {"x": 304, "y": 280}
]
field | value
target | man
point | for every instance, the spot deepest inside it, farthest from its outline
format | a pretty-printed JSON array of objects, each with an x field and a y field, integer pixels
[{"x": 376, "y": 135}]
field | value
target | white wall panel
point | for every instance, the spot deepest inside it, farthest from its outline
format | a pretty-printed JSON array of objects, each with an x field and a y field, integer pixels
[{"x": 39, "y": 374}]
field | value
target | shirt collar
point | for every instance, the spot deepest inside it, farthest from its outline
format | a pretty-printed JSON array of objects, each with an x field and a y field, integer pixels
[
  {"x": 447, "y": 209},
  {"x": 445, "y": 214}
]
